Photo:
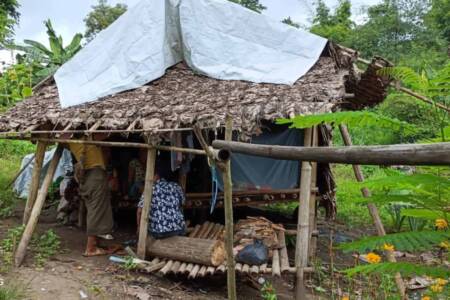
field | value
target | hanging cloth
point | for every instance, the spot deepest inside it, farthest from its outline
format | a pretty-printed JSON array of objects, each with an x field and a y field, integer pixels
[{"x": 215, "y": 185}]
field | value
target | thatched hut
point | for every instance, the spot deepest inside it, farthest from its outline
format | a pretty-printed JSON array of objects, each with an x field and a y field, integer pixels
[{"x": 181, "y": 100}]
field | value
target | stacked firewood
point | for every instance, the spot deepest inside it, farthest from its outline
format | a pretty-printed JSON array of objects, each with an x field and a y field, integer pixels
[{"x": 257, "y": 228}]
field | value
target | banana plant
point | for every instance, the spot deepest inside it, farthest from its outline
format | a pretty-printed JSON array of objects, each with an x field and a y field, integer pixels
[{"x": 49, "y": 58}]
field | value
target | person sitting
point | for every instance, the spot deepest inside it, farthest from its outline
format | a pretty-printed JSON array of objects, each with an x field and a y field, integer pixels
[
  {"x": 136, "y": 175},
  {"x": 166, "y": 214}
]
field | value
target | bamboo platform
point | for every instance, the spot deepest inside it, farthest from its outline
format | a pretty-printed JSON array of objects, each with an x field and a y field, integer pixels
[{"x": 279, "y": 263}]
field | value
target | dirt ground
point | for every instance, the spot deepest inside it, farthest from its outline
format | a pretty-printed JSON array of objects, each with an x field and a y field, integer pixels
[{"x": 69, "y": 275}]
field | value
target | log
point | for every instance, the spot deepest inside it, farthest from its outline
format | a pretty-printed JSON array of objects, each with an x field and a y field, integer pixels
[
  {"x": 193, "y": 234},
  {"x": 37, "y": 208},
  {"x": 34, "y": 186},
  {"x": 148, "y": 194},
  {"x": 402, "y": 154},
  {"x": 373, "y": 210},
  {"x": 194, "y": 250},
  {"x": 284, "y": 258}
]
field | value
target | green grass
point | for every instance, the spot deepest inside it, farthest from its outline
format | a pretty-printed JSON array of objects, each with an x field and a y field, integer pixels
[
  {"x": 11, "y": 154},
  {"x": 12, "y": 291}
]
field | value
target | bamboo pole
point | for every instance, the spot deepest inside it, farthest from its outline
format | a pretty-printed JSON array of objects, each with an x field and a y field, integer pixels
[
  {"x": 302, "y": 244},
  {"x": 125, "y": 144},
  {"x": 35, "y": 180},
  {"x": 37, "y": 207},
  {"x": 403, "y": 154},
  {"x": 228, "y": 190},
  {"x": 284, "y": 258},
  {"x": 373, "y": 210},
  {"x": 148, "y": 195},
  {"x": 312, "y": 200}
]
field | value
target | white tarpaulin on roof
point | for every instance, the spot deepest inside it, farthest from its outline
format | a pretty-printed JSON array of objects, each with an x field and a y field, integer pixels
[{"x": 217, "y": 38}]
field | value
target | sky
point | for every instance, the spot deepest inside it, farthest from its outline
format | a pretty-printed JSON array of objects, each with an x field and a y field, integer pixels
[{"x": 67, "y": 15}]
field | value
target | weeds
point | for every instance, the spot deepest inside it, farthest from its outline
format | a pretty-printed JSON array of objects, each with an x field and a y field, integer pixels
[
  {"x": 268, "y": 292},
  {"x": 44, "y": 247},
  {"x": 11, "y": 291}
]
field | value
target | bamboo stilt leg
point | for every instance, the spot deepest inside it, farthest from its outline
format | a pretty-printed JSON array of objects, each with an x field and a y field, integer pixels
[
  {"x": 373, "y": 210},
  {"x": 35, "y": 178},
  {"x": 36, "y": 211},
  {"x": 302, "y": 244},
  {"x": 312, "y": 200},
  {"x": 148, "y": 195},
  {"x": 228, "y": 203}
]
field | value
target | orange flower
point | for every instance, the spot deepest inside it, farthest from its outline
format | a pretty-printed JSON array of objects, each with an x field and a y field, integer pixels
[
  {"x": 345, "y": 298},
  {"x": 441, "y": 224},
  {"x": 388, "y": 247},
  {"x": 373, "y": 258},
  {"x": 426, "y": 298},
  {"x": 437, "y": 288}
]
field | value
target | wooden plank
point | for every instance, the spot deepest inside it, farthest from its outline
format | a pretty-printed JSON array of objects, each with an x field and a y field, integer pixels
[
  {"x": 148, "y": 194},
  {"x": 284, "y": 258},
  {"x": 302, "y": 243},
  {"x": 37, "y": 208},
  {"x": 35, "y": 179},
  {"x": 373, "y": 210}
]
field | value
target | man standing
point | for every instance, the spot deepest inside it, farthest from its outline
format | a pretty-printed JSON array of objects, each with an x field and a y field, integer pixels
[
  {"x": 166, "y": 214},
  {"x": 91, "y": 175}
]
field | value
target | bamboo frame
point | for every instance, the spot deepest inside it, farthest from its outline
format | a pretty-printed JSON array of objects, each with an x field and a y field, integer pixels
[
  {"x": 124, "y": 145},
  {"x": 303, "y": 234},
  {"x": 312, "y": 200},
  {"x": 373, "y": 210},
  {"x": 228, "y": 188},
  {"x": 35, "y": 180},
  {"x": 148, "y": 195},
  {"x": 37, "y": 208}
]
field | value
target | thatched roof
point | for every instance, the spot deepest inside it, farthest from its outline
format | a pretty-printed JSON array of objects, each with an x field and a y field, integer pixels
[{"x": 181, "y": 98}]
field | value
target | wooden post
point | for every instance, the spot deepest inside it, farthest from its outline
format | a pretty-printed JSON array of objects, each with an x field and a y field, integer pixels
[
  {"x": 36, "y": 211},
  {"x": 228, "y": 203},
  {"x": 148, "y": 195},
  {"x": 373, "y": 210},
  {"x": 312, "y": 200},
  {"x": 35, "y": 179},
  {"x": 302, "y": 244}
]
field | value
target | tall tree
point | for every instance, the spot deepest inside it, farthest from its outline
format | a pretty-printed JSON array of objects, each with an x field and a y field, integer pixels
[
  {"x": 438, "y": 17},
  {"x": 251, "y": 4},
  {"x": 396, "y": 30},
  {"x": 9, "y": 17},
  {"x": 101, "y": 16},
  {"x": 336, "y": 26}
]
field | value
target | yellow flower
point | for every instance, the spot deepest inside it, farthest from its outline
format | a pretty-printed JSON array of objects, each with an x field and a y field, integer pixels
[
  {"x": 441, "y": 224},
  {"x": 437, "y": 288},
  {"x": 373, "y": 258},
  {"x": 445, "y": 245},
  {"x": 388, "y": 247},
  {"x": 441, "y": 281},
  {"x": 345, "y": 298},
  {"x": 426, "y": 298}
]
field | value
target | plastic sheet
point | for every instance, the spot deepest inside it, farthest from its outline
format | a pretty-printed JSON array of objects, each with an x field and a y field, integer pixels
[
  {"x": 22, "y": 183},
  {"x": 217, "y": 38}
]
